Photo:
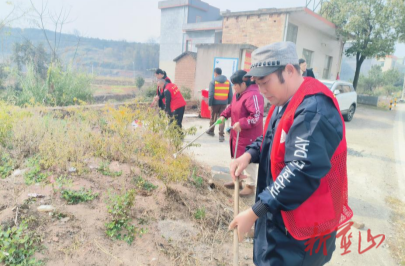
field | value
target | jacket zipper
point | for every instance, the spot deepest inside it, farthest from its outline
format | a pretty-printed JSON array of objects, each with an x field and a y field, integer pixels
[{"x": 286, "y": 231}]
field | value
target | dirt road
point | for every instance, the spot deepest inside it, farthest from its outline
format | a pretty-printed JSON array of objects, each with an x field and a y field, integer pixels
[{"x": 376, "y": 172}]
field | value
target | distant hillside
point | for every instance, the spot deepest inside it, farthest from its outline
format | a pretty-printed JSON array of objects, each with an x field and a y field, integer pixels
[{"x": 102, "y": 56}]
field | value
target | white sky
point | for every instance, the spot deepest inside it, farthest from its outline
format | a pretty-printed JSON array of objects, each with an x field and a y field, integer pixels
[{"x": 131, "y": 20}]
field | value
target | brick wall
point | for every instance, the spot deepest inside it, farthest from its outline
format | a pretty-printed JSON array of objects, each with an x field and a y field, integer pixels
[
  {"x": 258, "y": 30},
  {"x": 185, "y": 72}
]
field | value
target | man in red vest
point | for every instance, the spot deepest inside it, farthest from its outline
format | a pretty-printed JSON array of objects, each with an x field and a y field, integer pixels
[
  {"x": 175, "y": 103},
  {"x": 301, "y": 194}
]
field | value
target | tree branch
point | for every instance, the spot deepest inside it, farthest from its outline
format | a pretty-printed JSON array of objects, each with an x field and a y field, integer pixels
[{"x": 41, "y": 19}]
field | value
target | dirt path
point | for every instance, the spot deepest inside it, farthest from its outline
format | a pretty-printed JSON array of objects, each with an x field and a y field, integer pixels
[{"x": 376, "y": 170}]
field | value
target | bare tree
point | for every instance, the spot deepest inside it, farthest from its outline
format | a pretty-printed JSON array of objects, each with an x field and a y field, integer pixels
[
  {"x": 15, "y": 14},
  {"x": 79, "y": 38},
  {"x": 58, "y": 21}
]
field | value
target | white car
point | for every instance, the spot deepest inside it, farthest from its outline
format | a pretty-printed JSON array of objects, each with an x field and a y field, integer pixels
[{"x": 345, "y": 95}]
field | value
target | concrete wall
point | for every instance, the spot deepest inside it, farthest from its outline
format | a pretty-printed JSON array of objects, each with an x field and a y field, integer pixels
[
  {"x": 368, "y": 100},
  {"x": 174, "y": 15},
  {"x": 322, "y": 45},
  {"x": 389, "y": 63},
  {"x": 205, "y": 63},
  {"x": 185, "y": 72},
  {"x": 171, "y": 37},
  {"x": 209, "y": 14},
  {"x": 257, "y": 30},
  {"x": 199, "y": 37}
]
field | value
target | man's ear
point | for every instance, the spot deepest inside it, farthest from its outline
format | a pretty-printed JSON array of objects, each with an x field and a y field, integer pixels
[{"x": 290, "y": 69}]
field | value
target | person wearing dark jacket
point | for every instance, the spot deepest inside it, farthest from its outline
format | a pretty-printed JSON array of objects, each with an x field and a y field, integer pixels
[
  {"x": 302, "y": 190},
  {"x": 246, "y": 112},
  {"x": 219, "y": 96},
  {"x": 160, "y": 95},
  {"x": 306, "y": 72},
  {"x": 175, "y": 103}
]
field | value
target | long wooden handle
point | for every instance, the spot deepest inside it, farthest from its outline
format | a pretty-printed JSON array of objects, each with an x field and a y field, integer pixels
[
  {"x": 235, "y": 231},
  {"x": 235, "y": 213},
  {"x": 199, "y": 136}
]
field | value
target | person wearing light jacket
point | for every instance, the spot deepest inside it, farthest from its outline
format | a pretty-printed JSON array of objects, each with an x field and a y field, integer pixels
[{"x": 246, "y": 112}]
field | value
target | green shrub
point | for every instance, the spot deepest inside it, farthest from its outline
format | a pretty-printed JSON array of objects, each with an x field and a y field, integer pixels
[
  {"x": 199, "y": 214},
  {"x": 107, "y": 134},
  {"x": 3, "y": 74},
  {"x": 119, "y": 209},
  {"x": 6, "y": 165},
  {"x": 198, "y": 181},
  {"x": 74, "y": 197},
  {"x": 149, "y": 93},
  {"x": 17, "y": 245},
  {"x": 61, "y": 88},
  {"x": 8, "y": 116},
  {"x": 143, "y": 184},
  {"x": 34, "y": 175},
  {"x": 139, "y": 82},
  {"x": 104, "y": 169},
  {"x": 186, "y": 92},
  {"x": 34, "y": 89},
  {"x": 68, "y": 87},
  {"x": 379, "y": 83}
]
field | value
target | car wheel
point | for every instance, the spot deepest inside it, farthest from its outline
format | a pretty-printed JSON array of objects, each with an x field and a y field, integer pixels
[{"x": 349, "y": 116}]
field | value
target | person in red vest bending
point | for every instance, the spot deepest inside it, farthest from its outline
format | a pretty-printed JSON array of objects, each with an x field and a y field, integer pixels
[
  {"x": 302, "y": 189},
  {"x": 160, "y": 95},
  {"x": 175, "y": 103}
]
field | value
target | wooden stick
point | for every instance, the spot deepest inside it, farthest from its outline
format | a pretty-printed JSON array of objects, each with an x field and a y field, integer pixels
[
  {"x": 16, "y": 217},
  {"x": 235, "y": 213}
]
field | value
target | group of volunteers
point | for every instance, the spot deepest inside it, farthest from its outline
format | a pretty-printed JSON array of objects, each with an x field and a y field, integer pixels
[{"x": 295, "y": 162}]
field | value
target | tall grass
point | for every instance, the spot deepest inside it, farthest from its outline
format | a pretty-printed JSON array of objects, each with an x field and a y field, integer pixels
[
  {"x": 61, "y": 88},
  {"x": 69, "y": 139}
]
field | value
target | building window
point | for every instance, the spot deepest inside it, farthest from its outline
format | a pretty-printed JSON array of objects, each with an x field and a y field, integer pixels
[
  {"x": 327, "y": 67},
  {"x": 218, "y": 37},
  {"x": 189, "y": 46},
  {"x": 198, "y": 19},
  {"x": 292, "y": 32},
  {"x": 307, "y": 54}
]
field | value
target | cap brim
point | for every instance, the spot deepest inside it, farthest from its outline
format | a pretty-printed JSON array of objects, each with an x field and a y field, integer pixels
[{"x": 261, "y": 71}]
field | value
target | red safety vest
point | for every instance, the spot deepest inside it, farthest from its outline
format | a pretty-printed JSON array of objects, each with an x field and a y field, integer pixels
[
  {"x": 221, "y": 91},
  {"x": 177, "y": 99},
  {"x": 327, "y": 207}
]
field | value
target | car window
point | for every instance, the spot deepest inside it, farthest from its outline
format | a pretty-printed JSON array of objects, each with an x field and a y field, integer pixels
[
  {"x": 339, "y": 88},
  {"x": 346, "y": 88}
]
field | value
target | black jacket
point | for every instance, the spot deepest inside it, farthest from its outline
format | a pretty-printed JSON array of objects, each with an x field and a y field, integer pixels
[
  {"x": 317, "y": 120},
  {"x": 308, "y": 73}
]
